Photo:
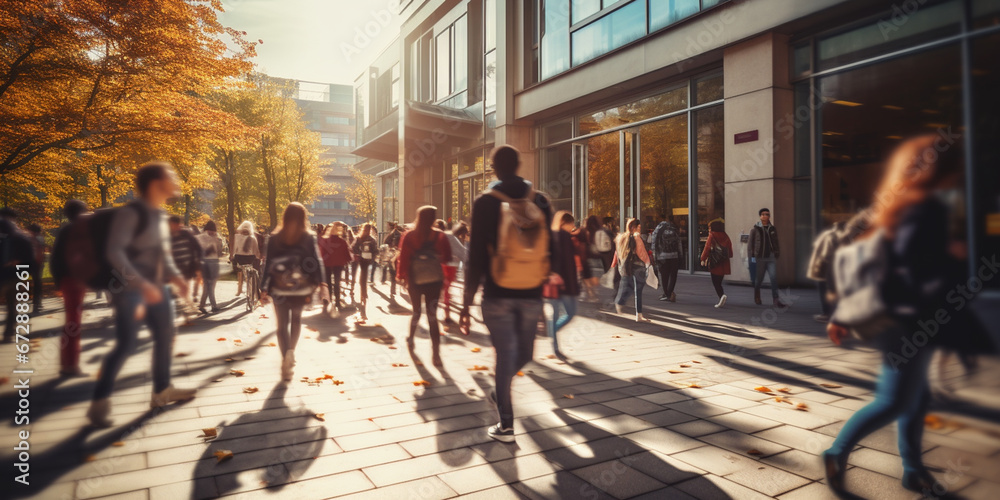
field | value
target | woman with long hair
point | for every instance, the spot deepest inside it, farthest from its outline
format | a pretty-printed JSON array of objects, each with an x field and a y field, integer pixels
[
  {"x": 565, "y": 253},
  {"x": 245, "y": 251},
  {"x": 581, "y": 242},
  {"x": 459, "y": 254},
  {"x": 422, "y": 252},
  {"x": 601, "y": 244},
  {"x": 718, "y": 251},
  {"x": 631, "y": 260},
  {"x": 366, "y": 250},
  {"x": 336, "y": 255},
  {"x": 911, "y": 216},
  {"x": 292, "y": 272}
]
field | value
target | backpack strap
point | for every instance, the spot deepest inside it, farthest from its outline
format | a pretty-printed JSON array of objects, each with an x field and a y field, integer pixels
[{"x": 530, "y": 195}]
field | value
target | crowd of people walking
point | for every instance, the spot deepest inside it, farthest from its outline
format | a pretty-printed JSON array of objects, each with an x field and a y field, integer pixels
[{"x": 521, "y": 256}]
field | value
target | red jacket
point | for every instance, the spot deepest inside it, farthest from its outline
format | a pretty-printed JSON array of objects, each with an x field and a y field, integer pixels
[
  {"x": 722, "y": 239},
  {"x": 410, "y": 244},
  {"x": 335, "y": 251}
]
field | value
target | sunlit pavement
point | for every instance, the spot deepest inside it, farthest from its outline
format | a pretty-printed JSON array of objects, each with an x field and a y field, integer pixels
[{"x": 672, "y": 409}]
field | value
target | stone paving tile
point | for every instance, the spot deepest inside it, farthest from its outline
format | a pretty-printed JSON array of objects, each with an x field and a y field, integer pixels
[
  {"x": 132, "y": 495},
  {"x": 505, "y": 492},
  {"x": 743, "y": 422},
  {"x": 346, "y": 461},
  {"x": 634, "y": 406},
  {"x": 561, "y": 484},
  {"x": 667, "y": 418},
  {"x": 663, "y": 441},
  {"x": 716, "y": 460},
  {"x": 197, "y": 489},
  {"x": 482, "y": 477},
  {"x": 770, "y": 481},
  {"x": 429, "y": 488},
  {"x": 812, "y": 491},
  {"x": 711, "y": 487},
  {"x": 669, "y": 492},
  {"x": 348, "y": 483},
  {"x": 697, "y": 428},
  {"x": 868, "y": 484},
  {"x": 429, "y": 465},
  {"x": 618, "y": 479},
  {"x": 799, "y": 463},
  {"x": 663, "y": 468},
  {"x": 739, "y": 442},
  {"x": 795, "y": 437}
]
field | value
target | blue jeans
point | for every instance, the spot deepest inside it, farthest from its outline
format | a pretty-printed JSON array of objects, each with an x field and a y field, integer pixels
[
  {"x": 771, "y": 266},
  {"x": 210, "y": 274},
  {"x": 159, "y": 318},
  {"x": 512, "y": 324},
  {"x": 556, "y": 321},
  {"x": 630, "y": 284},
  {"x": 901, "y": 394}
]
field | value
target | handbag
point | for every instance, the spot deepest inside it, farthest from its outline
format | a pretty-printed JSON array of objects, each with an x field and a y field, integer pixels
[
  {"x": 651, "y": 279},
  {"x": 717, "y": 255},
  {"x": 553, "y": 286}
]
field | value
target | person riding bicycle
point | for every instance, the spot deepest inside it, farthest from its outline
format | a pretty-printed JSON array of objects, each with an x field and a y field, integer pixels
[{"x": 246, "y": 251}]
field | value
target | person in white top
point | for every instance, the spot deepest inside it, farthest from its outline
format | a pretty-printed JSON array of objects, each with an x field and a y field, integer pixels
[
  {"x": 456, "y": 238},
  {"x": 211, "y": 246},
  {"x": 245, "y": 251}
]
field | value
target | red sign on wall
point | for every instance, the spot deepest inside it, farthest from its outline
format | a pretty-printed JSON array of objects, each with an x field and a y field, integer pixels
[{"x": 742, "y": 137}]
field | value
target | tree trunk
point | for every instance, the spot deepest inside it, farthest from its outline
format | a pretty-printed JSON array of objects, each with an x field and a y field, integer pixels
[
  {"x": 187, "y": 209},
  {"x": 230, "y": 182},
  {"x": 272, "y": 191}
]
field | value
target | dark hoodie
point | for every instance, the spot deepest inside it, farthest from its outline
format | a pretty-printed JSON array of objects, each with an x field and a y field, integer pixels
[{"x": 485, "y": 217}]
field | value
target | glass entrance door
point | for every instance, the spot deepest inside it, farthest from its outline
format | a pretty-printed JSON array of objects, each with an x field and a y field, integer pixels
[{"x": 662, "y": 175}]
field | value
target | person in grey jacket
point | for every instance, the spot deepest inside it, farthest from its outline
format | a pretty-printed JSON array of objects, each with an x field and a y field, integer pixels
[
  {"x": 763, "y": 248},
  {"x": 668, "y": 253},
  {"x": 142, "y": 265}
]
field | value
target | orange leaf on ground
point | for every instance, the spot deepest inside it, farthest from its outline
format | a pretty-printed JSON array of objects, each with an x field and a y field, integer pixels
[
  {"x": 221, "y": 339},
  {"x": 675, "y": 372},
  {"x": 568, "y": 396},
  {"x": 782, "y": 399},
  {"x": 4, "y": 380},
  {"x": 399, "y": 365},
  {"x": 311, "y": 329},
  {"x": 520, "y": 374},
  {"x": 327, "y": 377},
  {"x": 238, "y": 373},
  {"x": 754, "y": 452},
  {"x": 761, "y": 388},
  {"x": 685, "y": 366},
  {"x": 392, "y": 347},
  {"x": 272, "y": 344},
  {"x": 230, "y": 360},
  {"x": 250, "y": 390},
  {"x": 89, "y": 458},
  {"x": 476, "y": 349},
  {"x": 479, "y": 368},
  {"x": 550, "y": 356},
  {"x": 321, "y": 417},
  {"x": 802, "y": 407},
  {"x": 694, "y": 386},
  {"x": 223, "y": 455},
  {"x": 337, "y": 382},
  {"x": 784, "y": 390},
  {"x": 698, "y": 362},
  {"x": 118, "y": 443},
  {"x": 933, "y": 421},
  {"x": 181, "y": 354},
  {"x": 422, "y": 383},
  {"x": 209, "y": 433},
  {"x": 257, "y": 332},
  {"x": 831, "y": 386},
  {"x": 616, "y": 336}
]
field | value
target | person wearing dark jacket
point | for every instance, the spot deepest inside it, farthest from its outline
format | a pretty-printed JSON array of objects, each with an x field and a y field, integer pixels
[
  {"x": 912, "y": 220},
  {"x": 510, "y": 315},
  {"x": 72, "y": 294},
  {"x": 17, "y": 249},
  {"x": 365, "y": 248},
  {"x": 762, "y": 248},
  {"x": 428, "y": 243},
  {"x": 291, "y": 251},
  {"x": 564, "y": 256}
]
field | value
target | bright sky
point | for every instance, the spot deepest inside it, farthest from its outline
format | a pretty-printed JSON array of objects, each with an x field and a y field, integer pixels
[{"x": 329, "y": 41}]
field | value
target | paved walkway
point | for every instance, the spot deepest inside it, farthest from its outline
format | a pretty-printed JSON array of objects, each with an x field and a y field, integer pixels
[{"x": 665, "y": 410}]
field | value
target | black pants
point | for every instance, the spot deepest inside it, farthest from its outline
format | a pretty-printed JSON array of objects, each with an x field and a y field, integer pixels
[
  {"x": 823, "y": 300},
  {"x": 365, "y": 267},
  {"x": 429, "y": 294},
  {"x": 289, "y": 314},
  {"x": 717, "y": 283},
  {"x": 668, "y": 275},
  {"x": 333, "y": 276},
  {"x": 388, "y": 270}
]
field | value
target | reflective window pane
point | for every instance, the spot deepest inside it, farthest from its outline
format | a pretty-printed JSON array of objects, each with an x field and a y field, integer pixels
[
  {"x": 491, "y": 80},
  {"x": 460, "y": 60},
  {"x": 584, "y": 8},
  {"x": 886, "y": 34},
  {"x": 801, "y": 59},
  {"x": 986, "y": 120},
  {"x": 986, "y": 13},
  {"x": 663, "y": 172},
  {"x": 555, "y": 37},
  {"x": 443, "y": 44},
  {"x": 708, "y": 89},
  {"x": 490, "y": 30},
  {"x": 556, "y": 132},
  {"x": 609, "y": 32},
  {"x": 650, "y": 107},
  {"x": 666, "y": 12},
  {"x": 710, "y": 175}
]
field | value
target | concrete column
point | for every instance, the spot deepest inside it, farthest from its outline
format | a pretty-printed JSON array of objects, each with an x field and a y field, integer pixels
[{"x": 758, "y": 173}]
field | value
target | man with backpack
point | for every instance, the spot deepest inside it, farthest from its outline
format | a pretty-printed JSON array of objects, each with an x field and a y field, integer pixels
[
  {"x": 72, "y": 291},
  {"x": 510, "y": 254},
  {"x": 668, "y": 253},
  {"x": 137, "y": 250},
  {"x": 186, "y": 251}
]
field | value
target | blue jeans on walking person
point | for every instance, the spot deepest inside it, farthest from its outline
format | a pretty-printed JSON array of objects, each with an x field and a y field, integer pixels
[
  {"x": 633, "y": 284},
  {"x": 901, "y": 394},
  {"x": 160, "y": 319},
  {"x": 210, "y": 275},
  {"x": 512, "y": 324},
  {"x": 771, "y": 266},
  {"x": 558, "y": 320}
]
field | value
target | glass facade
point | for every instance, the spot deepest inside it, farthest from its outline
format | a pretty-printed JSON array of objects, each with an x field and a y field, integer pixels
[
  {"x": 573, "y": 32},
  {"x": 599, "y": 164},
  {"x": 861, "y": 113}
]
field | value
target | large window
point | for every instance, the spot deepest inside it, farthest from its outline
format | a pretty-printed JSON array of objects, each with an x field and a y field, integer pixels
[
  {"x": 599, "y": 164},
  {"x": 573, "y": 32},
  {"x": 452, "y": 59}
]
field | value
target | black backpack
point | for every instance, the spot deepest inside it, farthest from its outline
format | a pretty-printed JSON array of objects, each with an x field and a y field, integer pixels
[
  {"x": 292, "y": 272},
  {"x": 669, "y": 241},
  {"x": 425, "y": 265},
  {"x": 82, "y": 246}
]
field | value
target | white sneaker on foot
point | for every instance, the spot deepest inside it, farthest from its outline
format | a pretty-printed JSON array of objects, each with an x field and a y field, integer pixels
[
  {"x": 170, "y": 395},
  {"x": 500, "y": 434},
  {"x": 98, "y": 413},
  {"x": 288, "y": 366},
  {"x": 722, "y": 301}
]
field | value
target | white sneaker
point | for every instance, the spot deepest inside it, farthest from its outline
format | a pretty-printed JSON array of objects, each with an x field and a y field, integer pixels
[
  {"x": 98, "y": 413},
  {"x": 722, "y": 301},
  {"x": 287, "y": 366},
  {"x": 500, "y": 434},
  {"x": 171, "y": 394}
]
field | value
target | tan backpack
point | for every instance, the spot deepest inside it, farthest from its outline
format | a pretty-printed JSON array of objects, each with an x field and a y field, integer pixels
[{"x": 520, "y": 260}]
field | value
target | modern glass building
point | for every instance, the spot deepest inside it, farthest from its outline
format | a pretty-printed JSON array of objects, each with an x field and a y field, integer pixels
[{"x": 686, "y": 108}]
